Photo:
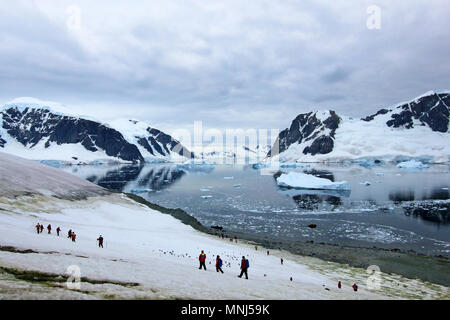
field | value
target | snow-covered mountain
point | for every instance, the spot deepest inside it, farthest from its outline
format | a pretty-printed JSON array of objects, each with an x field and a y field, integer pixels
[
  {"x": 45, "y": 131},
  {"x": 152, "y": 143},
  {"x": 414, "y": 129}
]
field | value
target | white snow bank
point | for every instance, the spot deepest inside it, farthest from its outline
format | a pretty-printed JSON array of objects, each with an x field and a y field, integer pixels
[
  {"x": 412, "y": 164},
  {"x": 307, "y": 181}
]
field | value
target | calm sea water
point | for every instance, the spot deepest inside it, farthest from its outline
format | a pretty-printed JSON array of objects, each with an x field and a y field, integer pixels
[{"x": 404, "y": 209}]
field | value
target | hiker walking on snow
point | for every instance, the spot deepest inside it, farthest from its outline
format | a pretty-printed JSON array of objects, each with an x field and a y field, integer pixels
[
  {"x": 100, "y": 241},
  {"x": 41, "y": 228},
  {"x": 49, "y": 228},
  {"x": 244, "y": 266},
  {"x": 69, "y": 234},
  {"x": 74, "y": 236},
  {"x": 202, "y": 259},
  {"x": 219, "y": 264},
  {"x": 38, "y": 228},
  {"x": 58, "y": 230}
]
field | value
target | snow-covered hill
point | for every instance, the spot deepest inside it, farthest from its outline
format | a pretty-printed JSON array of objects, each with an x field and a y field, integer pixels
[
  {"x": 147, "y": 254},
  {"x": 414, "y": 129},
  {"x": 47, "y": 131},
  {"x": 21, "y": 177}
]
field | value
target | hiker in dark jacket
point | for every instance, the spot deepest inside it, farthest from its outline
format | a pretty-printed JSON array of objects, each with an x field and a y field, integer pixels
[
  {"x": 202, "y": 259},
  {"x": 41, "y": 228},
  {"x": 244, "y": 267},
  {"x": 49, "y": 228},
  {"x": 58, "y": 230},
  {"x": 69, "y": 234},
  {"x": 38, "y": 228},
  {"x": 100, "y": 241},
  {"x": 219, "y": 264}
]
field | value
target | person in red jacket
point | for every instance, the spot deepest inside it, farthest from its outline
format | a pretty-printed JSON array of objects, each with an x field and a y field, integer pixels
[
  {"x": 100, "y": 241},
  {"x": 355, "y": 287},
  {"x": 202, "y": 259},
  {"x": 38, "y": 228},
  {"x": 42, "y": 228},
  {"x": 244, "y": 267},
  {"x": 339, "y": 285},
  {"x": 74, "y": 236},
  {"x": 49, "y": 228},
  {"x": 58, "y": 230}
]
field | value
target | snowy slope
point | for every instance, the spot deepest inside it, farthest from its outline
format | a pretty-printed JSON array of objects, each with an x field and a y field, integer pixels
[
  {"x": 155, "y": 251},
  {"x": 20, "y": 177},
  {"x": 415, "y": 129}
]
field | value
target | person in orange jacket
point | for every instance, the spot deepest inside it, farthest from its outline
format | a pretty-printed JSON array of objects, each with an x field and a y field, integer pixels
[{"x": 202, "y": 259}]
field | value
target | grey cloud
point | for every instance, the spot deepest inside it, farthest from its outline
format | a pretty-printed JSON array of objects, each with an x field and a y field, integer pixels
[{"x": 243, "y": 64}]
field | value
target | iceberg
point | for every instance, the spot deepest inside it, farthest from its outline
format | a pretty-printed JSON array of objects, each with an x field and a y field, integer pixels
[
  {"x": 294, "y": 165},
  {"x": 300, "y": 180},
  {"x": 412, "y": 164},
  {"x": 138, "y": 191}
]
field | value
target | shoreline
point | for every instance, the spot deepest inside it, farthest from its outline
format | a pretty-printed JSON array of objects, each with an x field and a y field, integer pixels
[{"x": 412, "y": 265}]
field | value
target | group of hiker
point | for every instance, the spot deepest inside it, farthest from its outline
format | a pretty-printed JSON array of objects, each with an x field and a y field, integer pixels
[
  {"x": 244, "y": 267},
  {"x": 244, "y": 264},
  {"x": 40, "y": 229},
  {"x": 224, "y": 236},
  {"x": 70, "y": 234}
]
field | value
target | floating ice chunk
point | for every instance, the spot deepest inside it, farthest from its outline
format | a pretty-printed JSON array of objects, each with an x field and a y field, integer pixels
[
  {"x": 306, "y": 181},
  {"x": 206, "y": 197},
  {"x": 205, "y": 190},
  {"x": 228, "y": 178},
  {"x": 366, "y": 183},
  {"x": 412, "y": 164},
  {"x": 137, "y": 191},
  {"x": 259, "y": 165},
  {"x": 294, "y": 165},
  {"x": 237, "y": 185}
]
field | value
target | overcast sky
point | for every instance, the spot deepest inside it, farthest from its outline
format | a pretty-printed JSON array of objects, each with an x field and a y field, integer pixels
[{"x": 247, "y": 64}]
